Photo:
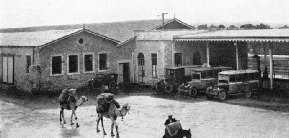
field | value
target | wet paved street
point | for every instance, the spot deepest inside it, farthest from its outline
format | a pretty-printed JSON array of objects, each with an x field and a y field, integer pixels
[{"x": 146, "y": 119}]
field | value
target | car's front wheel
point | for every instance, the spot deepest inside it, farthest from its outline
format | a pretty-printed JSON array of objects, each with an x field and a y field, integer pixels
[
  {"x": 158, "y": 87},
  {"x": 222, "y": 95},
  {"x": 193, "y": 92},
  {"x": 168, "y": 88},
  {"x": 112, "y": 84}
]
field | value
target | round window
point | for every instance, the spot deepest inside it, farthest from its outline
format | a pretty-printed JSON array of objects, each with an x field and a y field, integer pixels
[{"x": 80, "y": 41}]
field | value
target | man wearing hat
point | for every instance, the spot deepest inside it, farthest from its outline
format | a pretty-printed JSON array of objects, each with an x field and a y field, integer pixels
[{"x": 170, "y": 120}]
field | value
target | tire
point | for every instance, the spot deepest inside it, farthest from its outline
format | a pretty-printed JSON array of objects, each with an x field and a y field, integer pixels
[
  {"x": 112, "y": 84},
  {"x": 248, "y": 93},
  {"x": 222, "y": 95},
  {"x": 193, "y": 92},
  {"x": 158, "y": 88},
  {"x": 169, "y": 88}
]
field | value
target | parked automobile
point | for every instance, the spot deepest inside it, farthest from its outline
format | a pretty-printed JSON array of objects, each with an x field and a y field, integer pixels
[
  {"x": 235, "y": 82},
  {"x": 109, "y": 80},
  {"x": 174, "y": 76},
  {"x": 202, "y": 78}
]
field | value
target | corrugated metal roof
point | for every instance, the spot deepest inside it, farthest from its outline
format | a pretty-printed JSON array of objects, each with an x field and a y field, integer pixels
[
  {"x": 267, "y": 35},
  {"x": 164, "y": 34},
  {"x": 33, "y": 38}
]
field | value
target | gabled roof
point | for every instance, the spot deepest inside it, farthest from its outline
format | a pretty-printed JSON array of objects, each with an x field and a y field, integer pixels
[
  {"x": 41, "y": 38},
  {"x": 120, "y": 31},
  {"x": 174, "y": 24},
  {"x": 164, "y": 34},
  {"x": 266, "y": 35}
]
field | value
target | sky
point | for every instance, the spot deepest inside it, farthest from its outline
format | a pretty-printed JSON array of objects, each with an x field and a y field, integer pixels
[{"x": 27, "y": 13}]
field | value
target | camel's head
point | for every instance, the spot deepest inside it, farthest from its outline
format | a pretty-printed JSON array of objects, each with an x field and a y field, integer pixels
[
  {"x": 126, "y": 107},
  {"x": 84, "y": 98}
]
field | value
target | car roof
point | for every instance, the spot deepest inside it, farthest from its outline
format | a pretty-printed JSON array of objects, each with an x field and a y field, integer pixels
[
  {"x": 210, "y": 68},
  {"x": 233, "y": 72},
  {"x": 199, "y": 67},
  {"x": 174, "y": 67}
]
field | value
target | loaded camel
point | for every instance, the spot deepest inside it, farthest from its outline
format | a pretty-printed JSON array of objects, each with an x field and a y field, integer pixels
[
  {"x": 71, "y": 103},
  {"x": 112, "y": 114}
]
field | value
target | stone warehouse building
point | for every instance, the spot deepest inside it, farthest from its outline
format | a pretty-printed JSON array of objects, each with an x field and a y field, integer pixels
[{"x": 53, "y": 59}]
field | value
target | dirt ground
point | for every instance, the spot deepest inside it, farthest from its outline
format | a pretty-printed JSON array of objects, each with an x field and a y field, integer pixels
[{"x": 237, "y": 117}]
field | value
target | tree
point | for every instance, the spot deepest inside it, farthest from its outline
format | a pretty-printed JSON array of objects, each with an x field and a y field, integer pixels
[
  {"x": 263, "y": 26},
  {"x": 248, "y": 26},
  {"x": 222, "y": 26},
  {"x": 202, "y": 27},
  {"x": 284, "y": 27}
]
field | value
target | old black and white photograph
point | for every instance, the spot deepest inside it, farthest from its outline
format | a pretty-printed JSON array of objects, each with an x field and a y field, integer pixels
[{"x": 144, "y": 68}]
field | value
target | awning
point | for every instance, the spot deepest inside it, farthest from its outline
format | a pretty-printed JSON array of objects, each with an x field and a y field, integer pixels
[{"x": 266, "y": 35}]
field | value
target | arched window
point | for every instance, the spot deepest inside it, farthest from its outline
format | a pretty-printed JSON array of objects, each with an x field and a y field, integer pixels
[
  {"x": 197, "y": 58},
  {"x": 141, "y": 67}
]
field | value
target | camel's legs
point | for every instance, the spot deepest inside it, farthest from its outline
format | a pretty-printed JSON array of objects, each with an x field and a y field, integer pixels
[
  {"x": 77, "y": 125},
  {"x": 97, "y": 122},
  {"x": 116, "y": 129},
  {"x": 112, "y": 125},
  {"x": 102, "y": 126},
  {"x": 60, "y": 115}
]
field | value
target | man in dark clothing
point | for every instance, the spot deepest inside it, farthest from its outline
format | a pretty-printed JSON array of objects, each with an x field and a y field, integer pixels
[{"x": 170, "y": 120}]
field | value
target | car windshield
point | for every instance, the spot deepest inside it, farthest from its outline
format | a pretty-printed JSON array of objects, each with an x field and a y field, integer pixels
[
  {"x": 196, "y": 76},
  {"x": 223, "y": 78},
  {"x": 223, "y": 81},
  {"x": 170, "y": 73},
  {"x": 99, "y": 75}
]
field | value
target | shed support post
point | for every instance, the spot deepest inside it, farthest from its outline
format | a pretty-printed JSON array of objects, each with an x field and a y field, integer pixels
[
  {"x": 271, "y": 66},
  {"x": 237, "y": 56},
  {"x": 173, "y": 51},
  {"x": 208, "y": 53}
]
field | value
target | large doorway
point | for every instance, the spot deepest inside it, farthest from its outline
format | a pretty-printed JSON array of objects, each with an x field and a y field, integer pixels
[
  {"x": 8, "y": 69},
  {"x": 124, "y": 73},
  {"x": 197, "y": 58}
]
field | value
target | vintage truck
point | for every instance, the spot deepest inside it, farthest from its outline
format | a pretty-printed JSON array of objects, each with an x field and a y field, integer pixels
[{"x": 202, "y": 78}]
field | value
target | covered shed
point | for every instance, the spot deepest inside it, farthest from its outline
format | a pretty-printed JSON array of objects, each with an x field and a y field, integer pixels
[{"x": 238, "y": 48}]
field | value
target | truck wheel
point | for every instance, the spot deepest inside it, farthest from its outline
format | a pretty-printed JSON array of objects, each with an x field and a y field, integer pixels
[
  {"x": 112, "y": 84},
  {"x": 248, "y": 93},
  {"x": 193, "y": 92},
  {"x": 168, "y": 88},
  {"x": 158, "y": 88},
  {"x": 222, "y": 95}
]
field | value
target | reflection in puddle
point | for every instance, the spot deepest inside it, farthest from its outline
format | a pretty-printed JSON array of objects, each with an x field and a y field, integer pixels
[{"x": 69, "y": 132}]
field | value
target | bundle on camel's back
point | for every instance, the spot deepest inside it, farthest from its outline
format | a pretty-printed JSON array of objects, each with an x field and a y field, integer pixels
[
  {"x": 175, "y": 130},
  {"x": 108, "y": 107},
  {"x": 69, "y": 101}
]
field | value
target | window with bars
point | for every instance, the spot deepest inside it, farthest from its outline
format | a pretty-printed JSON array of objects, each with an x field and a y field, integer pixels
[
  {"x": 178, "y": 59},
  {"x": 154, "y": 64},
  {"x": 88, "y": 62},
  {"x": 72, "y": 63},
  {"x": 103, "y": 61},
  {"x": 56, "y": 65}
]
